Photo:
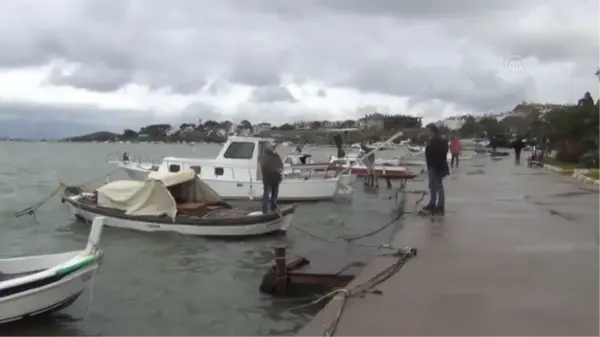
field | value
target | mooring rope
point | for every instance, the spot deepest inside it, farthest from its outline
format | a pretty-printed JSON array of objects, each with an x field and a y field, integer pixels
[
  {"x": 351, "y": 239},
  {"x": 403, "y": 256},
  {"x": 31, "y": 209},
  {"x": 59, "y": 190}
]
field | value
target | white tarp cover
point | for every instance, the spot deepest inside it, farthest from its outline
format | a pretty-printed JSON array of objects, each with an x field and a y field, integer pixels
[{"x": 158, "y": 195}]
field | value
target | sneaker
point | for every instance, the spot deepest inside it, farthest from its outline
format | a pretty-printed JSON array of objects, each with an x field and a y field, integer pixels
[{"x": 427, "y": 209}]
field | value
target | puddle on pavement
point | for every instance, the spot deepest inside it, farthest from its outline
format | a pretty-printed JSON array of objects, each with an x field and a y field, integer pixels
[
  {"x": 475, "y": 172},
  {"x": 575, "y": 193},
  {"x": 568, "y": 217},
  {"x": 530, "y": 174},
  {"x": 513, "y": 198},
  {"x": 560, "y": 247}
]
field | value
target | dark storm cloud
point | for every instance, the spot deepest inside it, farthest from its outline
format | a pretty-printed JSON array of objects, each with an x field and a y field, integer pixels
[
  {"x": 476, "y": 89},
  {"x": 88, "y": 113},
  {"x": 101, "y": 79},
  {"x": 387, "y": 46},
  {"x": 257, "y": 70},
  {"x": 271, "y": 94},
  {"x": 52, "y": 121},
  {"x": 199, "y": 111},
  {"x": 417, "y": 10}
]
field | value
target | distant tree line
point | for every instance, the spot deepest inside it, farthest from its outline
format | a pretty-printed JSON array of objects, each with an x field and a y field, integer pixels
[{"x": 571, "y": 130}]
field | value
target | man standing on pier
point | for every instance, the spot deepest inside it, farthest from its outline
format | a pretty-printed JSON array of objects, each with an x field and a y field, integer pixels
[
  {"x": 272, "y": 169},
  {"x": 368, "y": 160},
  {"x": 437, "y": 168}
]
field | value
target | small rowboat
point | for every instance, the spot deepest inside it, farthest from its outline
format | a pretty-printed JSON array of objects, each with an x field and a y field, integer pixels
[{"x": 35, "y": 285}]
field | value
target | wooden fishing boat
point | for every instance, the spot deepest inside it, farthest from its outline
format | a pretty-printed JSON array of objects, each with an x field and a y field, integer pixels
[
  {"x": 35, "y": 285},
  {"x": 176, "y": 202}
]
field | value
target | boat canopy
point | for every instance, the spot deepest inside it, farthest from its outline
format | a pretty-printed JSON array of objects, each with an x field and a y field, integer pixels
[{"x": 158, "y": 195}]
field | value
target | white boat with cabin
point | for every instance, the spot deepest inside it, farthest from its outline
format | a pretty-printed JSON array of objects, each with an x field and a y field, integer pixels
[
  {"x": 35, "y": 285},
  {"x": 235, "y": 174}
]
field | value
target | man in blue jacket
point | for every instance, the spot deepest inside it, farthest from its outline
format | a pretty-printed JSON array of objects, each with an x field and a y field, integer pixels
[{"x": 437, "y": 167}]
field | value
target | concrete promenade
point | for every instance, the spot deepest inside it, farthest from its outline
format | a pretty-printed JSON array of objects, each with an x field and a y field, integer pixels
[{"x": 517, "y": 254}]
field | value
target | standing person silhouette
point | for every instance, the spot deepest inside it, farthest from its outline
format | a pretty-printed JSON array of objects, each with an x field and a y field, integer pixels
[
  {"x": 455, "y": 147},
  {"x": 437, "y": 168},
  {"x": 272, "y": 167},
  {"x": 368, "y": 160},
  {"x": 518, "y": 146}
]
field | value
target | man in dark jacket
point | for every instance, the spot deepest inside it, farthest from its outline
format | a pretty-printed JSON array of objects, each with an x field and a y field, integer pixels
[
  {"x": 272, "y": 168},
  {"x": 436, "y": 154},
  {"x": 518, "y": 146}
]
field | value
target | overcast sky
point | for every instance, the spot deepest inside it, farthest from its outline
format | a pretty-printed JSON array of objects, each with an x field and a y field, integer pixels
[{"x": 121, "y": 63}]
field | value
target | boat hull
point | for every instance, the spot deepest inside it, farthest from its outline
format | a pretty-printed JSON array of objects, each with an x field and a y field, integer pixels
[
  {"x": 46, "y": 299},
  {"x": 290, "y": 190},
  {"x": 279, "y": 225},
  {"x": 384, "y": 172}
]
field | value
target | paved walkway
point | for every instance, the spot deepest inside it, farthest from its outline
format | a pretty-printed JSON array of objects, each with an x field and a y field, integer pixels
[{"x": 517, "y": 254}]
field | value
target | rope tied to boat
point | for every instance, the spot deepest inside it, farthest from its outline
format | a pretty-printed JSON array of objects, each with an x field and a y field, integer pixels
[
  {"x": 91, "y": 297},
  {"x": 403, "y": 255},
  {"x": 33, "y": 208},
  {"x": 387, "y": 245},
  {"x": 59, "y": 190}
]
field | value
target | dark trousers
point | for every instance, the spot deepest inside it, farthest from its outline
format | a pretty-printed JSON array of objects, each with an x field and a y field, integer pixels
[
  {"x": 436, "y": 189},
  {"x": 270, "y": 193},
  {"x": 517, "y": 157},
  {"x": 454, "y": 159}
]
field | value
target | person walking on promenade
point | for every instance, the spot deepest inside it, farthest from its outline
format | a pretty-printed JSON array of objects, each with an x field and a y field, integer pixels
[
  {"x": 455, "y": 147},
  {"x": 271, "y": 168},
  {"x": 518, "y": 146},
  {"x": 368, "y": 159},
  {"x": 437, "y": 168},
  {"x": 494, "y": 146}
]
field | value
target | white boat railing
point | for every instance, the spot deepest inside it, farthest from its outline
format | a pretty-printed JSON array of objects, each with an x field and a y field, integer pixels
[{"x": 137, "y": 161}]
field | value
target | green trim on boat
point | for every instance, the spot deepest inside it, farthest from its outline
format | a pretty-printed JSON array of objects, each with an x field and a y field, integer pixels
[{"x": 76, "y": 266}]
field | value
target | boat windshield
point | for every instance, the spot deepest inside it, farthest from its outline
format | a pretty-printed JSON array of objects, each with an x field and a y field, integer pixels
[{"x": 239, "y": 150}]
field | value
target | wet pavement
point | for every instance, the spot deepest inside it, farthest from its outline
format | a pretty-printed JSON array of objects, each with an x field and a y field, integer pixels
[{"x": 516, "y": 254}]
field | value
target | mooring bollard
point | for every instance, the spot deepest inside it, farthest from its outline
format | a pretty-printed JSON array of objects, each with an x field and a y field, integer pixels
[{"x": 280, "y": 271}]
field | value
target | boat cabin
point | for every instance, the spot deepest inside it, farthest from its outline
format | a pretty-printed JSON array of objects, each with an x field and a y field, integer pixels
[{"x": 239, "y": 160}]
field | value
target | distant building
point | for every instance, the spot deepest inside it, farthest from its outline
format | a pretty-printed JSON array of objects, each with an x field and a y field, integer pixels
[
  {"x": 375, "y": 122},
  {"x": 262, "y": 127}
]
